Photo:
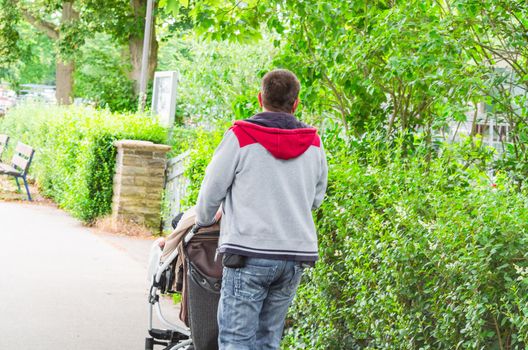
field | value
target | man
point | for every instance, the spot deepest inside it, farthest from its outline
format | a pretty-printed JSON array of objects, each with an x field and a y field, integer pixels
[{"x": 268, "y": 173}]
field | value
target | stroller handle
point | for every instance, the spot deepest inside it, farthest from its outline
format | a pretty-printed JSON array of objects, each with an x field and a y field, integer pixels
[{"x": 191, "y": 234}]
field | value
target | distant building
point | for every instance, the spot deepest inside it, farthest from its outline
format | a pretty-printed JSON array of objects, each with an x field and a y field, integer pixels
[
  {"x": 37, "y": 93},
  {"x": 486, "y": 120}
]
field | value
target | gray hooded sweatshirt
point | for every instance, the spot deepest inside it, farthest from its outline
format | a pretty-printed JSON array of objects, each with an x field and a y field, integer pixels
[{"x": 268, "y": 173}]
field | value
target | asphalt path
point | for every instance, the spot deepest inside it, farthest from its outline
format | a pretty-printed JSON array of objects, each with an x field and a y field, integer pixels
[{"x": 64, "y": 286}]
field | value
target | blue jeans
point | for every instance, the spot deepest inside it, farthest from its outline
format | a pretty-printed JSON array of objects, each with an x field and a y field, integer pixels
[{"x": 254, "y": 301}]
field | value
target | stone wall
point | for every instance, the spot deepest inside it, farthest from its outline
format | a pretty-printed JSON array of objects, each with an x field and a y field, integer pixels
[{"x": 138, "y": 183}]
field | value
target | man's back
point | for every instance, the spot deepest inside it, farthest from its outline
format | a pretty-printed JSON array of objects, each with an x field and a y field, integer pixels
[{"x": 278, "y": 179}]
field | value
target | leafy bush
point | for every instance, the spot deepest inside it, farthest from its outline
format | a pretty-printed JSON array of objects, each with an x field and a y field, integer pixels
[
  {"x": 219, "y": 80},
  {"x": 201, "y": 151},
  {"x": 102, "y": 76},
  {"x": 35, "y": 59},
  {"x": 417, "y": 252},
  {"x": 514, "y": 160},
  {"x": 181, "y": 139},
  {"x": 75, "y": 156}
]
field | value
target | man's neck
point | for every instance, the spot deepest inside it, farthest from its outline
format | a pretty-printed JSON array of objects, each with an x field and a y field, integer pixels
[{"x": 264, "y": 110}]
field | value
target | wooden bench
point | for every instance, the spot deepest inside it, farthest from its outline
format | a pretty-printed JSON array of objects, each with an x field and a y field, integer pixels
[
  {"x": 4, "y": 140},
  {"x": 19, "y": 165}
]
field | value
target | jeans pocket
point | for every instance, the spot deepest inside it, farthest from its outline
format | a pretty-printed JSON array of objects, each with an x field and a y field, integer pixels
[
  {"x": 252, "y": 282},
  {"x": 298, "y": 271}
]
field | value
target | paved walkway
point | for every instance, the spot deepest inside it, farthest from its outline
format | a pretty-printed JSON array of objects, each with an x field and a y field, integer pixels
[{"x": 63, "y": 286}]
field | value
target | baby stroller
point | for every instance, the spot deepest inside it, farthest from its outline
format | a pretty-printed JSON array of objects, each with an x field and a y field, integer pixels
[{"x": 186, "y": 264}]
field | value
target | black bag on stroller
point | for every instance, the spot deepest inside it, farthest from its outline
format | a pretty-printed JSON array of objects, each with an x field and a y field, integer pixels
[
  {"x": 201, "y": 291},
  {"x": 187, "y": 264}
]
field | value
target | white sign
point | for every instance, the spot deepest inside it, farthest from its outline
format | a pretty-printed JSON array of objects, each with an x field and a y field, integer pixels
[{"x": 164, "y": 97}]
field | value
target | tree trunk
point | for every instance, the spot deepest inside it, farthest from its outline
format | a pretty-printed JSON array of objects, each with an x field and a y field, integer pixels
[
  {"x": 65, "y": 67},
  {"x": 64, "y": 82},
  {"x": 135, "y": 44}
]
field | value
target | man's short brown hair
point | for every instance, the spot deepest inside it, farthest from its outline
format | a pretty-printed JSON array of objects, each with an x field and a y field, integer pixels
[{"x": 280, "y": 89}]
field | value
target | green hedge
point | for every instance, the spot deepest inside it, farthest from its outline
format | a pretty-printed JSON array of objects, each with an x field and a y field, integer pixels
[
  {"x": 418, "y": 250},
  {"x": 201, "y": 144},
  {"x": 75, "y": 157}
]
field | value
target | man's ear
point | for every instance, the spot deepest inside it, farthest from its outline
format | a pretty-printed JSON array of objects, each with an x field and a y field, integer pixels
[
  {"x": 295, "y": 105},
  {"x": 260, "y": 99}
]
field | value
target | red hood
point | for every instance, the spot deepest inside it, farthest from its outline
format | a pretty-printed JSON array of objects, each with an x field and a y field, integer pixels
[{"x": 281, "y": 143}]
